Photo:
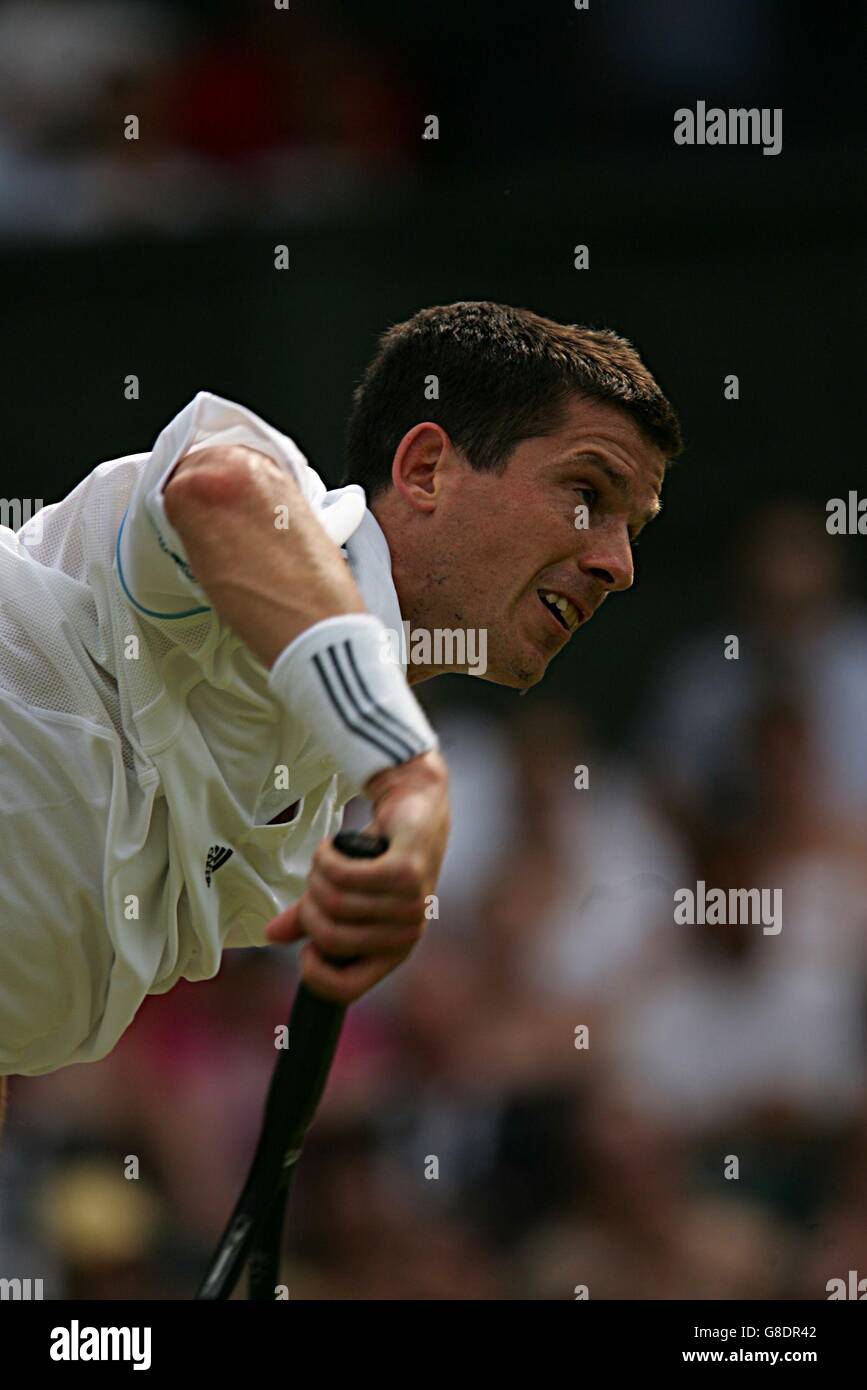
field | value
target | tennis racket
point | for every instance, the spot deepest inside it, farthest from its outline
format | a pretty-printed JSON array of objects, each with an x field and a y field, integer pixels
[{"x": 255, "y": 1228}]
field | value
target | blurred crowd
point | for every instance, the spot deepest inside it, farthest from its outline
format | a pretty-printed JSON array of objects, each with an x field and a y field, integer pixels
[
  {"x": 251, "y": 116},
  {"x": 246, "y": 116},
  {"x": 562, "y": 1088}
]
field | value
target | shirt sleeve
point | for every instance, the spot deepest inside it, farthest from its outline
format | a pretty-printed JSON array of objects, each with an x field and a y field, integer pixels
[{"x": 152, "y": 566}]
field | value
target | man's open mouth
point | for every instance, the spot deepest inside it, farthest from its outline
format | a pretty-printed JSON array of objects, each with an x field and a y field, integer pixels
[{"x": 564, "y": 611}]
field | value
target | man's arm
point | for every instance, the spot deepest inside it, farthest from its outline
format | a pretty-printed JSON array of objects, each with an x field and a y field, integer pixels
[{"x": 269, "y": 585}]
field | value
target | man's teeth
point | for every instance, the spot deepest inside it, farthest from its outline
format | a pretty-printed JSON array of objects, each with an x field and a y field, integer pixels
[{"x": 569, "y": 611}]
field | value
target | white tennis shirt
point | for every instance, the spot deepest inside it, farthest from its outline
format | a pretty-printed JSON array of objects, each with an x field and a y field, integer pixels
[{"x": 142, "y": 754}]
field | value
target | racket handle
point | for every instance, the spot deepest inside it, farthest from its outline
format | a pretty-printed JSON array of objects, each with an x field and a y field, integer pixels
[
  {"x": 256, "y": 1225},
  {"x": 357, "y": 844},
  {"x": 315, "y": 1024}
]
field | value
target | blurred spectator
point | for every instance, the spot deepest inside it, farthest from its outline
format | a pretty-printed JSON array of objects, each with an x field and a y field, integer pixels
[
  {"x": 587, "y": 880},
  {"x": 363, "y": 1230},
  {"x": 61, "y": 61},
  {"x": 838, "y": 1242},
  {"x": 799, "y": 635},
  {"x": 634, "y": 1230},
  {"x": 751, "y": 1019},
  {"x": 104, "y": 1229},
  {"x": 257, "y": 117}
]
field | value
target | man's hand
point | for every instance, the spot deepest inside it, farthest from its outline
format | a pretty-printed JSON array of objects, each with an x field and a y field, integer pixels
[
  {"x": 373, "y": 909},
  {"x": 269, "y": 585}
]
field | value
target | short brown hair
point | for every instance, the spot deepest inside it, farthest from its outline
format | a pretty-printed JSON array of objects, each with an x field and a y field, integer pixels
[{"x": 503, "y": 375}]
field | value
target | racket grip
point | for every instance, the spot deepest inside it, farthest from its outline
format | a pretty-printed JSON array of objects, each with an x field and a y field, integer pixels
[{"x": 357, "y": 844}]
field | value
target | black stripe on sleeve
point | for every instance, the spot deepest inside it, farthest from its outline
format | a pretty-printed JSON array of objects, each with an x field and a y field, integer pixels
[
  {"x": 411, "y": 734},
  {"x": 384, "y": 724},
  {"x": 361, "y": 732}
]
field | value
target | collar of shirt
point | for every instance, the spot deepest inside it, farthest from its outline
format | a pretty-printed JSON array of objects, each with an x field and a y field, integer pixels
[{"x": 370, "y": 561}]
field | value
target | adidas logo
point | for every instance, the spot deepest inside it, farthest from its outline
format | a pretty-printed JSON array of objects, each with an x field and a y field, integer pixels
[{"x": 217, "y": 856}]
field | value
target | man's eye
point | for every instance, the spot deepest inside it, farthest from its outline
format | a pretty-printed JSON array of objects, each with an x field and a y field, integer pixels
[{"x": 590, "y": 494}]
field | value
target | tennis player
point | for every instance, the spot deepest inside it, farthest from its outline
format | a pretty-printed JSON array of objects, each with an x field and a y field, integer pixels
[{"x": 194, "y": 676}]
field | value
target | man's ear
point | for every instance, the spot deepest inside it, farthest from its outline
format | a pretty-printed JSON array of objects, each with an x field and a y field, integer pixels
[{"x": 420, "y": 462}]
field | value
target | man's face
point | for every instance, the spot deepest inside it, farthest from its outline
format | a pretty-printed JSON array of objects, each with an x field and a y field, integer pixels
[{"x": 501, "y": 543}]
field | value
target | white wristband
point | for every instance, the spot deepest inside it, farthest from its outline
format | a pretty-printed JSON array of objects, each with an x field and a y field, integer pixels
[{"x": 340, "y": 680}]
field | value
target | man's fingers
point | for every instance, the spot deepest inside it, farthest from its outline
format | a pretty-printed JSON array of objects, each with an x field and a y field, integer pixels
[
  {"x": 352, "y": 925},
  {"x": 347, "y": 940},
  {"x": 343, "y": 906},
  {"x": 343, "y": 984},
  {"x": 394, "y": 873}
]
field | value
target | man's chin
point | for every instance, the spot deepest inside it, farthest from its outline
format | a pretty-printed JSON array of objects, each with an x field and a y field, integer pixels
[
  {"x": 516, "y": 661},
  {"x": 515, "y": 676}
]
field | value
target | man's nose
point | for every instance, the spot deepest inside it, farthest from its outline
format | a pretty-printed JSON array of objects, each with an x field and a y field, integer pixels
[{"x": 609, "y": 562}]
